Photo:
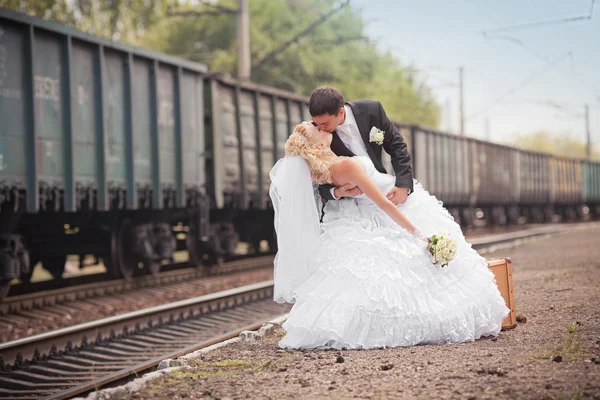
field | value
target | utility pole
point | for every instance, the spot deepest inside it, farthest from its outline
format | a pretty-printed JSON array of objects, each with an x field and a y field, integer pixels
[
  {"x": 307, "y": 30},
  {"x": 243, "y": 40},
  {"x": 588, "y": 148},
  {"x": 462, "y": 104},
  {"x": 488, "y": 133},
  {"x": 242, "y": 14},
  {"x": 448, "y": 112}
]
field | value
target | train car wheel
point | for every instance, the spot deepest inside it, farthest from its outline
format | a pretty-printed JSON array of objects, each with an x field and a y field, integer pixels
[
  {"x": 272, "y": 242},
  {"x": 197, "y": 253},
  {"x": 498, "y": 216},
  {"x": 33, "y": 259},
  {"x": 455, "y": 213},
  {"x": 153, "y": 267},
  {"x": 548, "y": 214},
  {"x": 4, "y": 288},
  {"x": 571, "y": 214},
  {"x": 122, "y": 261}
]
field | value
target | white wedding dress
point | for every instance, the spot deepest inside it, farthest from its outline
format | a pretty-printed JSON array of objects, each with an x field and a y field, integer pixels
[{"x": 373, "y": 285}]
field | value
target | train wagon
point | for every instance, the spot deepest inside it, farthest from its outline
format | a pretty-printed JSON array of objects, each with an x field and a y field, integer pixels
[
  {"x": 499, "y": 184},
  {"x": 566, "y": 191},
  {"x": 441, "y": 163},
  {"x": 247, "y": 126},
  {"x": 591, "y": 185},
  {"x": 102, "y": 149},
  {"x": 533, "y": 185},
  {"x": 107, "y": 149},
  {"x": 129, "y": 155}
]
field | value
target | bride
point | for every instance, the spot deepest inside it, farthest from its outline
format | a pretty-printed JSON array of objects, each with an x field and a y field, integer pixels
[{"x": 363, "y": 277}]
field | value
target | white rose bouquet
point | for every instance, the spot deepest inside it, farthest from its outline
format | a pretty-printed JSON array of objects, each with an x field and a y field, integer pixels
[{"x": 442, "y": 249}]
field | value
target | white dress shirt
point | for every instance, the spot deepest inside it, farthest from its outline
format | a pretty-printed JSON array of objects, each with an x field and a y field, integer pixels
[{"x": 350, "y": 135}]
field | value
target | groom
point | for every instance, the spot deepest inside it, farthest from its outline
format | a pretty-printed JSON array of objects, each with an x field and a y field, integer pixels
[{"x": 350, "y": 124}]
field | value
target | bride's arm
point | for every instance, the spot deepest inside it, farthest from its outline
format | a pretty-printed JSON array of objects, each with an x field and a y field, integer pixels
[{"x": 351, "y": 171}]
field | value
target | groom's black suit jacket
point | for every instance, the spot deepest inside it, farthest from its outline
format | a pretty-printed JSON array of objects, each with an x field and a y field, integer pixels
[{"x": 368, "y": 114}]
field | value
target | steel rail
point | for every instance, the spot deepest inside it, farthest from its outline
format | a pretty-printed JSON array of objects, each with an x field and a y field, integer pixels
[
  {"x": 148, "y": 365},
  {"x": 63, "y": 363},
  {"x": 490, "y": 241},
  {"x": 48, "y": 298}
]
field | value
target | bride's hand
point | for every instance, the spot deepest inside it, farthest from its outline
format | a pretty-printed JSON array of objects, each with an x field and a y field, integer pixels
[
  {"x": 426, "y": 240},
  {"x": 418, "y": 234}
]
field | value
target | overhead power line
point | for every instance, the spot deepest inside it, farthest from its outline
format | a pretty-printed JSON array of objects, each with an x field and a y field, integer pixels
[
  {"x": 216, "y": 10},
  {"x": 522, "y": 84},
  {"x": 298, "y": 4},
  {"x": 537, "y": 24},
  {"x": 192, "y": 13},
  {"x": 295, "y": 39},
  {"x": 491, "y": 34}
]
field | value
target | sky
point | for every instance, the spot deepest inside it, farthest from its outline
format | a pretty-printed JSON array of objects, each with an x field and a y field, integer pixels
[{"x": 516, "y": 81}]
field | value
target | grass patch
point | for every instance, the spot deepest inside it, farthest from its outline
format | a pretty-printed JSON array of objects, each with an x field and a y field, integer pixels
[
  {"x": 227, "y": 363},
  {"x": 575, "y": 395},
  {"x": 556, "y": 277},
  {"x": 570, "y": 306},
  {"x": 224, "y": 367},
  {"x": 570, "y": 347},
  {"x": 191, "y": 379}
]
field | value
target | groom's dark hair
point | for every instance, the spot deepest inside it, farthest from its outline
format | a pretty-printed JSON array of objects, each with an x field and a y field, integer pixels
[{"x": 325, "y": 100}]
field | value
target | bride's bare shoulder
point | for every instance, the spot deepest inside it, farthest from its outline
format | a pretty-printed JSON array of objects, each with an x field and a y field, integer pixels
[
  {"x": 344, "y": 166},
  {"x": 345, "y": 163}
]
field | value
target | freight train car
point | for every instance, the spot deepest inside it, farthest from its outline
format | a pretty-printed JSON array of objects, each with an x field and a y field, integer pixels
[
  {"x": 107, "y": 150},
  {"x": 102, "y": 150},
  {"x": 246, "y": 129},
  {"x": 532, "y": 181},
  {"x": 591, "y": 186},
  {"x": 442, "y": 163},
  {"x": 498, "y": 184}
]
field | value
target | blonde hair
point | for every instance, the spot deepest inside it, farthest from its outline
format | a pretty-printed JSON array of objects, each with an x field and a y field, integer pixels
[{"x": 319, "y": 160}]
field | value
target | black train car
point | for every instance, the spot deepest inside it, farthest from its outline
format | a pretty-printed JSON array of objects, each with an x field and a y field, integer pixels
[
  {"x": 114, "y": 151},
  {"x": 591, "y": 186},
  {"x": 128, "y": 155},
  {"x": 247, "y": 126},
  {"x": 101, "y": 151},
  {"x": 498, "y": 184}
]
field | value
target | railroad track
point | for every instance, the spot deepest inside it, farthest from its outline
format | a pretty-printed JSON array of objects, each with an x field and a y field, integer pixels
[
  {"x": 73, "y": 361},
  {"x": 89, "y": 289},
  {"x": 51, "y": 298},
  {"x": 494, "y": 242},
  {"x": 33, "y": 305},
  {"x": 86, "y": 276},
  {"x": 78, "y": 359}
]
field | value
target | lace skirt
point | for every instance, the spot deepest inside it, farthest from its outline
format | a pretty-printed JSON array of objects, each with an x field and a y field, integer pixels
[{"x": 375, "y": 285}]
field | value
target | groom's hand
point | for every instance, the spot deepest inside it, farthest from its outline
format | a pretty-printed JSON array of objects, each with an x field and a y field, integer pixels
[
  {"x": 398, "y": 195},
  {"x": 348, "y": 190}
]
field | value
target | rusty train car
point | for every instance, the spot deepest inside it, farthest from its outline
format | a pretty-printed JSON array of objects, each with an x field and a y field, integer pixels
[
  {"x": 114, "y": 151},
  {"x": 499, "y": 184},
  {"x": 106, "y": 148}
]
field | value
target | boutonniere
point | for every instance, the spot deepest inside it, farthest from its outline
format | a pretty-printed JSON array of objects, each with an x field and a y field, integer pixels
[{"x": 376, "y": 135}]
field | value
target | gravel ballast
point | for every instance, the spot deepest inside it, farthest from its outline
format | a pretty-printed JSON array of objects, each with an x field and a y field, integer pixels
[{"x": 553, "y": 353}]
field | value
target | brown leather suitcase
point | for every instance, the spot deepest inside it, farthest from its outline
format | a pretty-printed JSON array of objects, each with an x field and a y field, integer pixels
[{"x": 502, "y": 269}]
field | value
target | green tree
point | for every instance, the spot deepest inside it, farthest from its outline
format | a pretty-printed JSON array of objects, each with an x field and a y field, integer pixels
[
  {"x": 123, "y": 20},
  {"x": 335, "y": 53},
  {"x": 561, "y": 145}
]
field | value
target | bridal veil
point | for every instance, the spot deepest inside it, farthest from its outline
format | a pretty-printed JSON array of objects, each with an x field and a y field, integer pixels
[{"x": 296, "y": 225}]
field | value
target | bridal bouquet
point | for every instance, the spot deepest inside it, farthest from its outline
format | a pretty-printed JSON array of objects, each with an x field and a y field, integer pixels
[{"x": 442, "y": 249}]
